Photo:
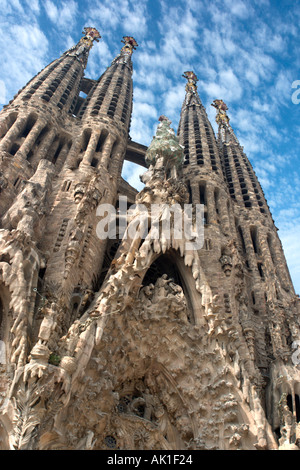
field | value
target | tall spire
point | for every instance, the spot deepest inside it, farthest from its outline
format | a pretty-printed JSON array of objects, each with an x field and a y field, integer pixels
[
  {"x": 222, "y": 107},
  {"x": 240, "y": 176},
  {"x": 126, "y": 52},
  {"x": 112, "y": 95},
  {"x": 82, "y": 48},
  {"x": 58, "y": 82},
  {"x": 226, "y": 132},
  {"x": 191, "y": 96},
  {"x": 195, "y": 131}
]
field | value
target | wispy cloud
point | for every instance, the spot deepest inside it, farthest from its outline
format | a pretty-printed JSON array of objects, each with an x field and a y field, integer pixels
[{"x": 62, "y": 14}]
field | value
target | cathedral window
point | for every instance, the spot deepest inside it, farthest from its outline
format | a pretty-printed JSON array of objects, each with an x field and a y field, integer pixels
[
  {"x": 42, "y": 134},
  {"x": 56, "y": 155},
  {"x": 86, "y": 138},
  {"x": 202, "y": 193},
  {"x": 216, "y": 198},
  {"x": 253, "y": 233},
  {"x": 207, "y": 244},
  {"x": 94, "y": 162},
  {"x": 241, "y": 238},
  {"x": 17, "y": 182},
  {"x": 66, "y": 185},
  {"x": 190, "y": 192},
  {"x": 14, "y": 148},
  {"x": 101, "y": 140},
  {"x": 29, "y": 125},
  {"x": 260, "y": 270}
]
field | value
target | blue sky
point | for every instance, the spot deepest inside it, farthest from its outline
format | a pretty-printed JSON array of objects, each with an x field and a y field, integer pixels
[{"x": 244, "y": 52}]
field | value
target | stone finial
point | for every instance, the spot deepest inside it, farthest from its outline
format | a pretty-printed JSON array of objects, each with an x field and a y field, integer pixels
[
  {"x": 130, "y": 45},
  {"x": 90, "y": 35},
  {"x": 165, "y": 146},
  {"x": 82, "y": 48},
  {"x": 221, "y": 117},
  {"x": 192, "y": 80},
  {"x": 191, "y": 96}
]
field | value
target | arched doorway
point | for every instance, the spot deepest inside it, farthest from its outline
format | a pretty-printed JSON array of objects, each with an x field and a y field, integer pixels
[{"x": 172, "y": 264}]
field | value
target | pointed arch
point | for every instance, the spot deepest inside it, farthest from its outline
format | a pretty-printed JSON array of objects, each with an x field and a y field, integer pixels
[{"x": 172, "y": 264}]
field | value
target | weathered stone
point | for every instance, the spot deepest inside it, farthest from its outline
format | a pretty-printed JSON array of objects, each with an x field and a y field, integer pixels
[{"x": 137, "y": 342}]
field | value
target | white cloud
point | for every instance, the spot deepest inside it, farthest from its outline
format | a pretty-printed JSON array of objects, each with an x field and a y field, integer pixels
[
  {"x": 51, "y": 10},
  {"x": 290, "y": 243},
  {"x": 174, "y": 98},
  {"x": 131, "y": 173},
  {"x": 63, "y": 15},
  {"x": 239, "y": 8},
  {"x": 145, "y": 109},
  {"x": 34, "y": 5},
  {"x": 3, "y": 98},
  {"x": 100, "y": 58},
  {"x": 24, "y": 50},
  {"x": 129, "y": 15},
  {"x": 11, "y": 6}
]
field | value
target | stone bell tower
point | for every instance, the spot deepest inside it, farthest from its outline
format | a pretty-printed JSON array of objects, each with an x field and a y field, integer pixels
[{"x": 150, "y": 340}]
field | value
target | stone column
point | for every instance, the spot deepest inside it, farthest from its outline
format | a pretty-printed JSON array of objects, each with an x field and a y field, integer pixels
[
  {"x": 210, "y": 202},
  {"x": 280, "y": 264},
  {"x": 91, "y": 148},
  {"x": 44, "y": 147},
  {"x": 63, "y": 155},
  {"x": 115, "y": 165},
  {"x": 223, "y": 211},
  {"x": 29, "y": 142},
  {"x": 73, "y": 154},
  {"x": 195, "y": 193},
  {"x": 14, "y": 132},
  {"x": 251, "y": 256},
  {"x": 107, "y": 148}
]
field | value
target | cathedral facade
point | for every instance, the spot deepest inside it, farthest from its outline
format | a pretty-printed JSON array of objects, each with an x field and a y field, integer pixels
[{"x": 114, "y": 335}]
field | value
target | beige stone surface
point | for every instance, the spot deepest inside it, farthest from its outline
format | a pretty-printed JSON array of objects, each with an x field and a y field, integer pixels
[{"x": 140, "y": 342}]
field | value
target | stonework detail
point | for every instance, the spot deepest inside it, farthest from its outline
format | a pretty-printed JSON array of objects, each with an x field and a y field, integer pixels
[{"x": 139, "y": 342}]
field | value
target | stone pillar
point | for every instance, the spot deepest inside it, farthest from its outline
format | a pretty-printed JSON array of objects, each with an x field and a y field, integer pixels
[
  {"x": 210, "y": 202},
  {"x": 107, "y": 148},
  {"x": 91, "y": 148},
  {"x": 74, "y": 153},
  {"x": 13, "y": 133},
  {"x": 195, "y": 193},
  {"x": 63, "y": 155},
  {"x": 251, "y": 256},
  {"x": 269, "y": 269},
  {"x": 115, "y": 166},
  {"x": 223, "y": 211},
  {"x": 29, "y": 142},
  {"x": 280, "y": 264},
  {"x": 44, "y": 147}
]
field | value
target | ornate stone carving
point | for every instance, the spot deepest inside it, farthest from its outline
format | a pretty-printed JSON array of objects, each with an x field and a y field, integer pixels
[{"x": 171, "y": 347}]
